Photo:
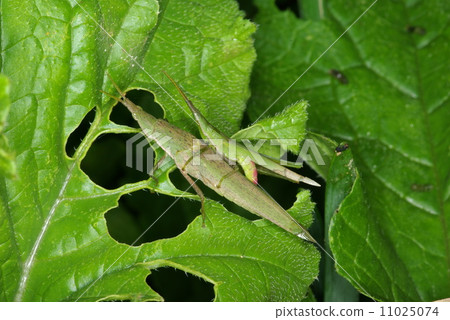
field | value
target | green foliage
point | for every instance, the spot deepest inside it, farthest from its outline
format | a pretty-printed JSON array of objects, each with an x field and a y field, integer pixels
[
  {"x": 383, "y": 88},
  {"x": 245, "y": 254},
  {"x": 55, "y": 244},
  {"x": 7, "y": 164},
  {"x": 287, "y": 128}
]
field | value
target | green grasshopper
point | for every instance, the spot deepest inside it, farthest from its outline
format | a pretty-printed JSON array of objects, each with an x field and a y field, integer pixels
[
  {"x": 235, "y": 188},
  {"x": 249, "y": 160}
]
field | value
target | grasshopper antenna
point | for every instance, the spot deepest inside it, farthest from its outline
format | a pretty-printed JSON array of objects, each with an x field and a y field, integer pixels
[
  {"x": 189, "y": 103},
  {"x": 122, "y": 94},
  {"x": 111, "y": 96},
  {"x": 176, "y": 86}
]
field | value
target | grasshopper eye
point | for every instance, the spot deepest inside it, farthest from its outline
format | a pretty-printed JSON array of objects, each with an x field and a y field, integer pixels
[{"x": 339, "y": 76}]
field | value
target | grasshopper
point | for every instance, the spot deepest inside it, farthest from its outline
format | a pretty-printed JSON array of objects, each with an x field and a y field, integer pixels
[
  {"x": 235, "y": 188},
  {"x": 249, "y": 160}
]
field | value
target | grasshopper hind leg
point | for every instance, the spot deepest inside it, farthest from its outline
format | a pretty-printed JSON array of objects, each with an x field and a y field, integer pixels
[
  {"x": 199, "y": 152},
  {"x": 199, "y": 193},
  {"x": 235, "y": 169}
]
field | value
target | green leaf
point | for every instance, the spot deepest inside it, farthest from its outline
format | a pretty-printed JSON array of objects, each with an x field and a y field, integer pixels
[
  {"x": 383, "y": 88},
  {"x": 247, "y": 261},
  {"x": 7, "y": 164},
  {"x": 326, "y": 149},
  {"x": 340, "y": 183},
  {"x": 302, "y": 208},
  {"x": 312, "y": 10},
  {"x": 54, "y": 240},
  {"x": 352, "y": 222},
  {"x": 209, "y": 51},
  {"x": 287, "y": 130}
]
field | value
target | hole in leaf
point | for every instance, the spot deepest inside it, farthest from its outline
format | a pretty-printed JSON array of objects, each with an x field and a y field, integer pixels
[
  {"x": 142, "y": 98},
  {"x": 105, "y": 162},
  {"x": 246, "y": 122},
  {"x": 283, "y": 191},
  {"x": 79, "y": 133},
  {"x": 138, "y": 211},
  {"x": 291, "y": 5},
  {"x": 249, "y": 8},
  {"x": 177, "y": 286},
  {"x": 121, "y": 115}
]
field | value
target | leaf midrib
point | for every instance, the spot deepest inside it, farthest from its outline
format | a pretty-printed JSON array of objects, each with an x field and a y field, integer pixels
[{"x": 94, "y": 130}]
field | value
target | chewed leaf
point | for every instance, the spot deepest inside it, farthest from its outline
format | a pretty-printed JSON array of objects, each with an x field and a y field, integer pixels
[
  {"x": 228, "y": 252},
  {"x": 55, "y": 244},
  {"x": 286, "y": 130}
]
